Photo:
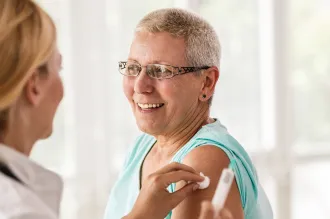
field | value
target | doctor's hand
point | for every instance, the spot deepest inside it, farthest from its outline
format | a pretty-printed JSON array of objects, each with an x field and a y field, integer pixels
[
  {"x": 155, "y": 201},
  {"x": 207, "y": 212}
]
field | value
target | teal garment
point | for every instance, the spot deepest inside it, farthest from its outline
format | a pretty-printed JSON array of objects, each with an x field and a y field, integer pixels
[{"x": 254, "y": 200}]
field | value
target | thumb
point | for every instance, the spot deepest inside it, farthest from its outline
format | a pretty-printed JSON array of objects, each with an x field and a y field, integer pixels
[
  {"x": 184, "y": 192},
  {"x": 207, "y": 211}
]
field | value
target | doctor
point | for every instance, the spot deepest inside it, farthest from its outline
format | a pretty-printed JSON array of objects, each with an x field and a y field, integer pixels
[{"x": 30, "y": 92}]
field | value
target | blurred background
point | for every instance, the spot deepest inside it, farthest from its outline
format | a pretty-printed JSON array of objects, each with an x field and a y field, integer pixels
[{"x": 273, "y": 96}]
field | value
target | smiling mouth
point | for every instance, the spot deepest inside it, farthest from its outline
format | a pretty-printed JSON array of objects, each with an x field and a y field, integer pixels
[{"x": 150, "y": 105}]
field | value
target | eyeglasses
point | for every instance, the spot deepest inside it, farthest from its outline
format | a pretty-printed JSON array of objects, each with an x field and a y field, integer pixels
[{"x": 156, "y": 71}]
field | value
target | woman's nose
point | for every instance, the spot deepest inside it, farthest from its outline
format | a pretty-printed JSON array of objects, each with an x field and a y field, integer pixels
[{"x": 143, "y": 83}]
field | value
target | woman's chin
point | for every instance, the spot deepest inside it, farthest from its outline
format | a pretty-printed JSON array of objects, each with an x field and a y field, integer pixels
[{"x": 47, "y": 133}]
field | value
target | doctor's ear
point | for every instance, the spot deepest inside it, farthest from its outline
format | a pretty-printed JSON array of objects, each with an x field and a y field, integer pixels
[{"x": 33, "y": 90}]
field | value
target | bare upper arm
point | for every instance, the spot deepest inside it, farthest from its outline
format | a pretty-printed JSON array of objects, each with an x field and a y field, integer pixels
[{"x": 211, "y": 161}]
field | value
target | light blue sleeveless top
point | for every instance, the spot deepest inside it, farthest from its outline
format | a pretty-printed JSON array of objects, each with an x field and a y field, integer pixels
[{"x": 125, "y": 191}]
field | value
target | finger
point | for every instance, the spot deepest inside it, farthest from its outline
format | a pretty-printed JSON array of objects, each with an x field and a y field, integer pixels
[
  {"x": 178, "y": 196},
  {"x": 175, "y": 166},
  {"x": 207, "y": 211},
  {"x": 177, "y": 176},
  {"x": 225, "y": 214}
]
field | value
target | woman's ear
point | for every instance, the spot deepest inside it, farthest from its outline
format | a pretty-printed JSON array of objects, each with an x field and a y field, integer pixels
[
  {"x": 210, "y": 79},
  {"x": 33, "y": 89}
]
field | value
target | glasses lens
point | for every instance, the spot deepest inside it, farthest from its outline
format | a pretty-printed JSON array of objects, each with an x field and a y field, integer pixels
[
  {"x": 160, "y": 71},
  {"x": 129, "y": 68}
]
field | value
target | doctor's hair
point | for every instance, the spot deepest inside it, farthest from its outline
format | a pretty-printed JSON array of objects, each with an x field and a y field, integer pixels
[{"x": 27, "y": 41}]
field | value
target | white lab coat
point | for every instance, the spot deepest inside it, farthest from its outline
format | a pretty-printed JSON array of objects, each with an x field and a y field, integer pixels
[{"x": 38, "y": 194}]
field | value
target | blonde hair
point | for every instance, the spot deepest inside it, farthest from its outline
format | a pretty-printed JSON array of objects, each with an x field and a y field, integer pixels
[
  {"x": 27, "y": 40},
  {"x": 202, "y": 43}
]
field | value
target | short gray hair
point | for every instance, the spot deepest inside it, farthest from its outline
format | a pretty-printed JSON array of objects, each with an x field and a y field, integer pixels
[{"x": 202, "y": 43}]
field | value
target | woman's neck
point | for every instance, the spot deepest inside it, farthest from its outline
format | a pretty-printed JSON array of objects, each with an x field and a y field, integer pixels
[
  {"x": 171, "y": 143},
  {"x": 18, "y": 139}
]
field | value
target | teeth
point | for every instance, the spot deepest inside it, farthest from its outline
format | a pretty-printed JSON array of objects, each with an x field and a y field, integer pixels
[{"x": 149, "y": 106}]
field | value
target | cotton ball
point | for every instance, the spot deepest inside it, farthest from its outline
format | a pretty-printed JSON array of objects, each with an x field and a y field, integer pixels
[{"x": 205, "y": 183}]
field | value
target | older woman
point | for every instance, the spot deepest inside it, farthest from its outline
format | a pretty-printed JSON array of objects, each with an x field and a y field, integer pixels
[
  {"x": 30, "y": 92},
  {"x": 169, "y": 80}
]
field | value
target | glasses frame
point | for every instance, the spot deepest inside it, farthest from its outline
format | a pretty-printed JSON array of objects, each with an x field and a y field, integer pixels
[{"x": 174, "y": 69}]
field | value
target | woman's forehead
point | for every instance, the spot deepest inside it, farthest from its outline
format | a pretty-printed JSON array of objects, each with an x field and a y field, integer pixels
[{"x": 157, "y": 49}]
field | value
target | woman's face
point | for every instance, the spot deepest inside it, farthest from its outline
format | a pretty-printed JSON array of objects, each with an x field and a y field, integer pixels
[
  {"x": 50, "y": 95},
  {"x": 171, "y": 102}
]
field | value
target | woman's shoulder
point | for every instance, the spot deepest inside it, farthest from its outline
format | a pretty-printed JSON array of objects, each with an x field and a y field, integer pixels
[
  {"x": 215, "y": 134},
  {"x": 212, "y": 131},
  {"x": 216, "y": 137}
]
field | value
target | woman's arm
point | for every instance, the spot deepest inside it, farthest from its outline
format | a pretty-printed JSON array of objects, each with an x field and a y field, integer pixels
[
  {"x": 207, "y": 212},
  {"x": 211, "y": 161}
]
